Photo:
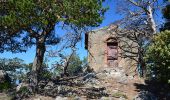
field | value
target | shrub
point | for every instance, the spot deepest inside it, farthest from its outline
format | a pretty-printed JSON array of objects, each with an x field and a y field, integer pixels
[{"x": 158, "y": 57}]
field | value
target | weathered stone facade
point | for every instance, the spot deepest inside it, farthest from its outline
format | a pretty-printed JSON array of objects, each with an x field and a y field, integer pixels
[{"x": 97, "y": 42}]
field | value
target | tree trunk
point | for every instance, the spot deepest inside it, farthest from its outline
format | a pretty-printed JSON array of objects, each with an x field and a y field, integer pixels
[
  {"x": 65, "y": 71},
  {"x": 151, "y": 20},
  {"x": 38, "y": 61}
]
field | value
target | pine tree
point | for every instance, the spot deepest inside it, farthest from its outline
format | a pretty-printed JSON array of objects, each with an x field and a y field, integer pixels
[{"x": 34, "y": 21}]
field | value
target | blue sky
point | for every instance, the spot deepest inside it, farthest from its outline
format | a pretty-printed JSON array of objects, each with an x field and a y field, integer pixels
[{"x": 110, "y": 17}]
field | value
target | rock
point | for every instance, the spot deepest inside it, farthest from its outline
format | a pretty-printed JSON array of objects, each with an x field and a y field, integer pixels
[
  {"x": 20, "y": 86},
  {"x": 61, "y": 98},
  {"x": 37, "y": 99},
  {"x": 49, "y": 85},
  {"x": 130, "y": 77},
  {"x": 89, "y": 76},
  {"x": 121, "y": 98},
  {"x": 60, "y": 88},
  {"x": 106, "y": 98},
  {"x": 113, "y": 73},
  {"x": 145, "y": 95},
  {"x": 2, "y": 74},
  {"x": 91, "y": 82},
  {"x": 78, "y": 98},
  {"x": 111, "y": 98}
]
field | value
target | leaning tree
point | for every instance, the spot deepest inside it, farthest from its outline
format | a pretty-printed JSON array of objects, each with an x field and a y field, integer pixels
[{"x": 34, "y": 21}]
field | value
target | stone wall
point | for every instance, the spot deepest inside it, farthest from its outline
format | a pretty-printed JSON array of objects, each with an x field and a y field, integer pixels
[{"x": 97, "y": 52}]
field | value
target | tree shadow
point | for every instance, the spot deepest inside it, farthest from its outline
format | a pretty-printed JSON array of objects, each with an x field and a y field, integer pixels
[
  {"x": 71, "y": 87},
  {"x": 160, "y": 90}
]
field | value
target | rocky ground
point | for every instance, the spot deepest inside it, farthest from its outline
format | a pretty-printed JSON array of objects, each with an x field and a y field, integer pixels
[{"x": 108, "y": 84}]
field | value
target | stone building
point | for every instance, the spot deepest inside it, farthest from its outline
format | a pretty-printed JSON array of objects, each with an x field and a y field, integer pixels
[{"x": 109, "y": 48}]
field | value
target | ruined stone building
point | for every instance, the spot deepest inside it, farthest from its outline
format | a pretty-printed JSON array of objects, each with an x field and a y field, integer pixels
[{"x": 107, "y": 48}]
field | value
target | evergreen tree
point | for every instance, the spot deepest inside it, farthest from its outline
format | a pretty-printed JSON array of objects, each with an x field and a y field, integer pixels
[
  {"x": 34, "y": 22},
  {"x": 75, "y": 65},
  {"x": 158, "y": 57},
  {"x": 14, "y": 69}
]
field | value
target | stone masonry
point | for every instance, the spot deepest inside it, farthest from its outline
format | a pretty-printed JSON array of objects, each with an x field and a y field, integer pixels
[{"x": 97, "y": 42}]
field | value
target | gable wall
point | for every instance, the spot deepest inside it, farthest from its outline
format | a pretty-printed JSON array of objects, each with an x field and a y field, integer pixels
[{"x": 97, "y": 47}]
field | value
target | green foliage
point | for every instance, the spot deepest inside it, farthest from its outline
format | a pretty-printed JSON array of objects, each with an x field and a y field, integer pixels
[
  {"x": 31, "y": 17},
  {"x": 58, "y": 71},
  {"x": 5, "y": 85},
  {"x": 158, "y": 57},
  {"x": 14, "y": 67},
  {"x": 75, "y": 65},
  {"x": 24, "y": 92},
  {"x": 10, "y": 64},
  {"x": 119, "y": 94},
  {"x": 34, "y": 22},
  {"x": 84, "y": 62},
  {"x": 44, "y": 71}
]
